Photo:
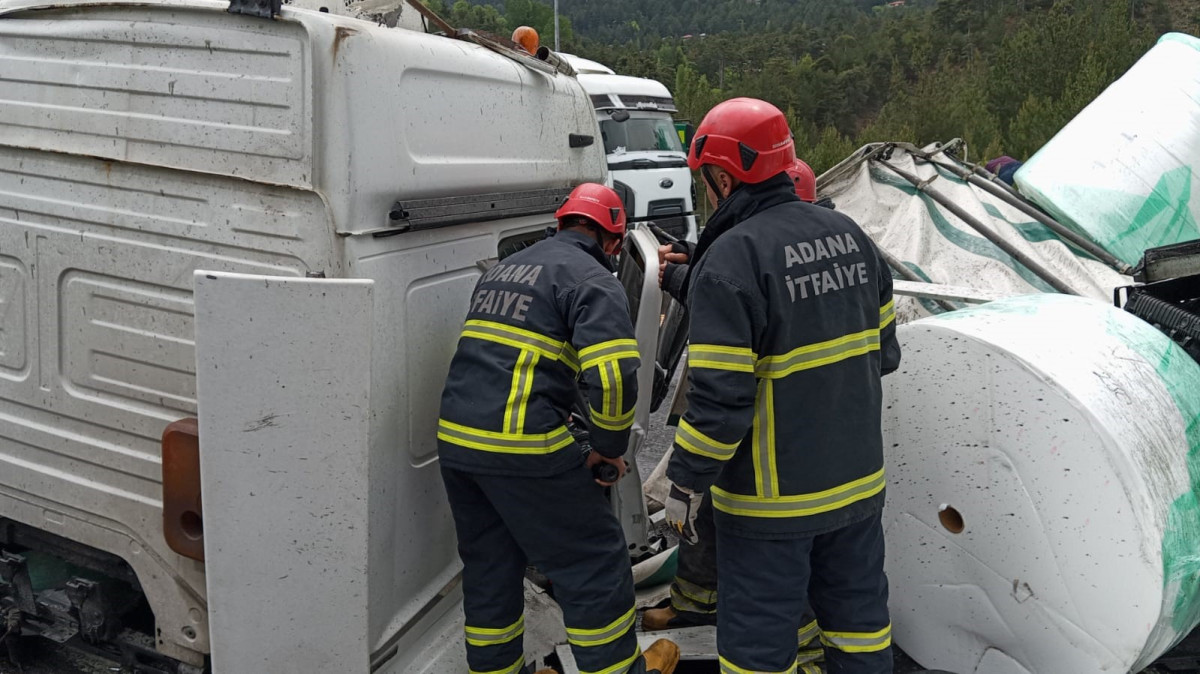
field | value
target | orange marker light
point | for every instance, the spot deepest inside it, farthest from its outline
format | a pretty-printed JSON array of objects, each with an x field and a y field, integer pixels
[
  {"x": 527, "y": 38},
  {"x": 183, "y": 521}
]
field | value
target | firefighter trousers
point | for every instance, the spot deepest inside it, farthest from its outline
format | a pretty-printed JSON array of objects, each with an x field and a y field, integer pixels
[
  {"x": 694, "y": 590},
  {"x": 564, "y": 526},
  {"x": 764, "y": 586}
]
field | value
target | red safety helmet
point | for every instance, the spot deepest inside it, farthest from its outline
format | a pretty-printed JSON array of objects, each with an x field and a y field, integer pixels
[
  {"x": 597, "y": 203},
  {"x": 747, "y": 137},
  {"x": 804, "y": 178}
]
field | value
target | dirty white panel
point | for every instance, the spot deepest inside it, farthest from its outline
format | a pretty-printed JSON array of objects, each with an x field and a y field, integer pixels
[
  {"x": 198, "y": 89},
  {"x": 1038, "y": 490},
  {"x": 14, "y": 338},
  {"x": 284, "y": 388}
]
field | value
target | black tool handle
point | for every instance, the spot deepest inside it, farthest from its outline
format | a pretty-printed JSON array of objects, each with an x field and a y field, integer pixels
[{"x": 605, "y": 472}]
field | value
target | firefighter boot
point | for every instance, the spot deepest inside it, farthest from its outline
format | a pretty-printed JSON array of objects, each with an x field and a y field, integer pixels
[
  {"x": 665, "y": 617},
  {"x": 661, "y": 657}
]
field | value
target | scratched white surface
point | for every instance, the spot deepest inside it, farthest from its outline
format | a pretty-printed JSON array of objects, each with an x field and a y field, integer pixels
[
  {"x": 283, "y": 373},
  {"x": 1058, "y": 444}
]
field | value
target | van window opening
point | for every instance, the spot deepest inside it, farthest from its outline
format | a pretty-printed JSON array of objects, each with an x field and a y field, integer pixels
[{"x": 641, "y": 133}]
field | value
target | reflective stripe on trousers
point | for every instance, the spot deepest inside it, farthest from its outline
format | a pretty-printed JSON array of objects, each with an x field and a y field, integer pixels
[
  {"x": 602, "y": 635},
  {"x": 728, "y": 667},
  {"x": 858, "y": 642},
  {"x": 494, "y": 636},
  {"x": 514, "y": 668},
  {"x": 688, "y": 596}
]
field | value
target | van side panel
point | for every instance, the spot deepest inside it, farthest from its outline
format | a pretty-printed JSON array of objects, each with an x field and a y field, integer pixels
[
  {"x": 202, "y": 90},
  {"x": 96, "y": 340},
  {"x": 412, "y": 116}
]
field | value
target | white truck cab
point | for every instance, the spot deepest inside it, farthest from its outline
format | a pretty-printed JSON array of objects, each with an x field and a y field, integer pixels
[
  {"x": 646, "y": 157},
  {"x": 235, "y": 258}
]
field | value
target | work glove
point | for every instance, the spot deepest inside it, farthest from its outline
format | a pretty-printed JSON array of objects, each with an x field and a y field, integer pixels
[
  {"x": 673, "y": 276},
  {"x": 682, "y": 506}
]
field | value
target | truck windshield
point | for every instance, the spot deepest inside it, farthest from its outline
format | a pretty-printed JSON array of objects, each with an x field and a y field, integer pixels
[{"x": 640, "y": 133}]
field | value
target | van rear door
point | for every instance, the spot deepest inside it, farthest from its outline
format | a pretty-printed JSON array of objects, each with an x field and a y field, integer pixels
[{"x": 283, "y": 379}]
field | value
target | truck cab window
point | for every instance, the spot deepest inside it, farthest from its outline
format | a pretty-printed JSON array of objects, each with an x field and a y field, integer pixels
[{"x": 642, "y": 132}]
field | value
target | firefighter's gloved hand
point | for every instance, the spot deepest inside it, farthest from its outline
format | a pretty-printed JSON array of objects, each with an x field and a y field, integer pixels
[
  {"x": 671, "y": 277},
  {"x": 682, "y": 506},
  {"x": 596, "y": 458}
]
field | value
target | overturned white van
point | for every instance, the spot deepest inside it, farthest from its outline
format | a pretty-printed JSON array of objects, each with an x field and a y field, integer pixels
[{"x": 235, "y": 255}]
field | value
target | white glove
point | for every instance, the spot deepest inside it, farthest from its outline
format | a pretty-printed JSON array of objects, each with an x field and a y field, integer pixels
[{"x": 682, "y": 506}]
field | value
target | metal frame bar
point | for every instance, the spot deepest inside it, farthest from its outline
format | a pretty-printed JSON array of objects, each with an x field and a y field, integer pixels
[
  {"x": 1025, "y": 260},
  {"x": 421, "y": 214}
]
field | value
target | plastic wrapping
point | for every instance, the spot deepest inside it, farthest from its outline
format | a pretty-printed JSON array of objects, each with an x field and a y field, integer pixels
[
  {"x": 1126, "y": 170},
  {"x": 1042, "y": 515}
]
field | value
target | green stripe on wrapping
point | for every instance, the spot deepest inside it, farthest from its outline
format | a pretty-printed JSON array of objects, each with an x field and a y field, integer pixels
[
  {"x": 1181, "y": 377},
  {"x": 1164, "y": 218},
  {"x": 930, "y": 306},
  {"x": 1181, "y": 38},
  {"x": 1036, "y": 232},
  {"x": 972, "y": 243}
]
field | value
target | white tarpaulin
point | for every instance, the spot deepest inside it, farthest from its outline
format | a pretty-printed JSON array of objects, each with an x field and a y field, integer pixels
[{"x": 934, "y": 244}]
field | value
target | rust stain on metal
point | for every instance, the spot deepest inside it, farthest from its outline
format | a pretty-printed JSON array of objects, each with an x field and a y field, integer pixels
[{"x": 339, "y": 35}]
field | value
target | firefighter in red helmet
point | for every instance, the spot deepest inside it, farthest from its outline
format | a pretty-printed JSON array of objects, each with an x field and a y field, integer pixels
[
  {"x": 520, "y": 490},
  {"x": 791, "y": 328}
]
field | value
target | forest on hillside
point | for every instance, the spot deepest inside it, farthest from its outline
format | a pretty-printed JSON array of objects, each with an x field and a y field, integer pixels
[{"x": 1005, "y": 75}]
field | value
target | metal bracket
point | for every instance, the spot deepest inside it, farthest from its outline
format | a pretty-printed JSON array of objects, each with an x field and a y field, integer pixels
[
  {"x": 15, "y": 572},
  {"x": 262, "y": 9},
  {"x": 938, "y": 291},
  {"x": 95, "y": 622}
]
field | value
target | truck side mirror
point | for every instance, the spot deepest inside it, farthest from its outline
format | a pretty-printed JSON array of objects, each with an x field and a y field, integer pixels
[
  {"x": 688, "y": 133},
  {"x": 619, "y": 115}
]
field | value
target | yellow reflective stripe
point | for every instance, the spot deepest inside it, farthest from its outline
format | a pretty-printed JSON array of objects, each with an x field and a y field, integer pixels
[
  {"x": 698, "y": 443},
  {"x": 766, "y": 478},
  {"x": 808, "y": 667},
  {"x": 606, "y": 389},
  {"x": 728, "y": 667},
  {"x": 859, "y": 642},
  {"x": 515, "y": 667},
  {"x": 504, "y": 443},
  {"x": 887, "y": 314},
  {"x": 622, "y": 666},
  {"x": 602, "y": 635},
  {"x": 802, "y": 504},
  {"x": 612, "y": 350},
  {"x": 570, "y": 357},
  {"x": 618, "y": 388},
  {"x": 518, "y": 395},
  {"x": 819, "y": 354},
  {"x": 694, "y": 592},
  {"x": 526, "y": 391},
  {"x": 681, "y": 601},
  {"x": 517, "y": 338},
  {"x": 717, "y": 357},
  {"x": 493, "y": 636},
  {"x": 806, "y": 634},
  {"x": 613, "y": 424}
]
